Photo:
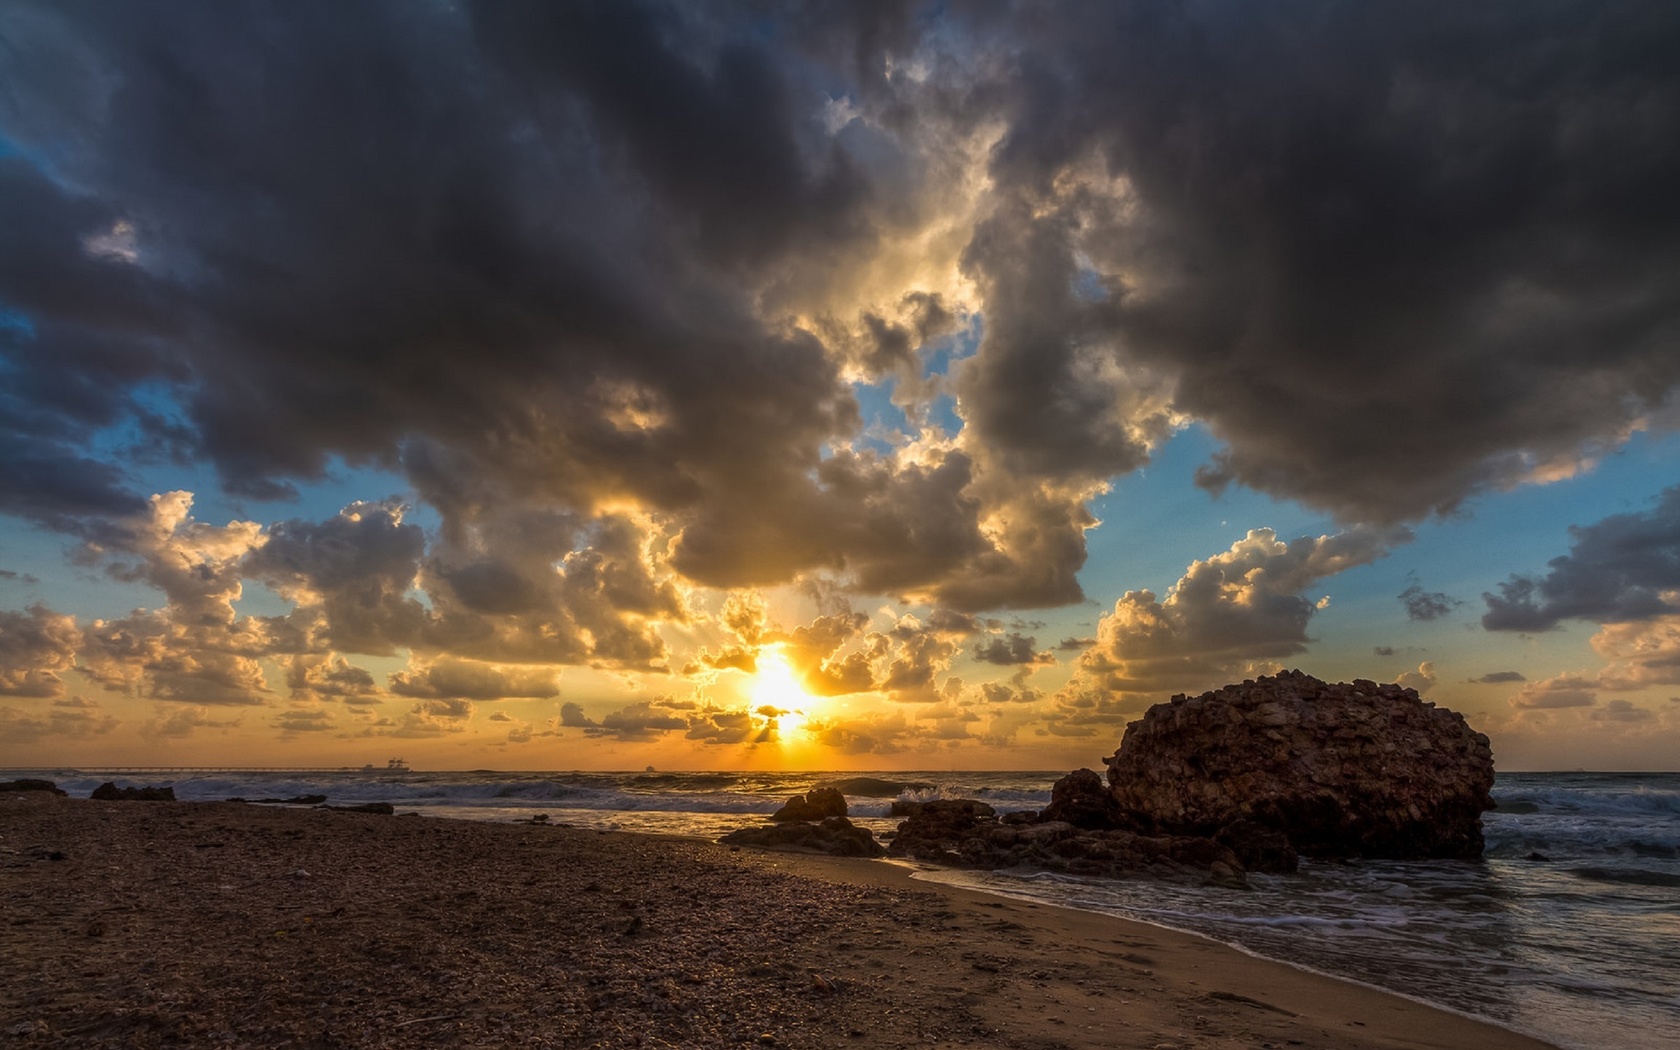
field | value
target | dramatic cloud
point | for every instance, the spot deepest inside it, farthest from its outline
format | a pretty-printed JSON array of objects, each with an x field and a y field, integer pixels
[
  {"x": 1227, "y": 611},
  {"x": 1626, "y": 567},
  {"x": 353, "y": 570},
  {"x": 649, "y": 310},
  {"x": 1370, "y": 249},
  {"x": 665, "y": 240},
  {"x": 36, "y": 647}
]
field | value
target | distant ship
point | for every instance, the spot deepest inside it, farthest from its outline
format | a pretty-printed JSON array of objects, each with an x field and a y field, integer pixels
[{"x": 395, "y": 765}]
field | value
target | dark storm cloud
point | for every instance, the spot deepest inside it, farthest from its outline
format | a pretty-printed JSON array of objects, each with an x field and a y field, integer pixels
[
  {"x": 77, "y": 329},
  {"x": 397, "y": 226},
  {"x": 1616, "y": 570},
  {"x": 356, "y": 568},
  {"x": 1393, "y": 257},
  {"x": 584, "y": 256}
]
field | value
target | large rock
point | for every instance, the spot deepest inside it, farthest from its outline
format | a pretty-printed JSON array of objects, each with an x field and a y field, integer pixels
[
  {"x": 936, "y": 830},
  {"x": 835, "y": 836},
  {"x": 818, "y": 804},
  {"x": 1342, "y": 770},
  {"x": 1083, "y": 800}
]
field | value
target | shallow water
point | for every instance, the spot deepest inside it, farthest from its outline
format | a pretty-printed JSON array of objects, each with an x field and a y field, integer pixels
[{"x": 1569, "y": 930}]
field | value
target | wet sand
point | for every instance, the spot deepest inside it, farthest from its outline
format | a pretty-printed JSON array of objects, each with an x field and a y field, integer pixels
[{"x": 132, "y": 924}]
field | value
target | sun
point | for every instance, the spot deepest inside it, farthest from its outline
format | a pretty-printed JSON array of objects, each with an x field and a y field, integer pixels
[{"x": 776, "y": 686}]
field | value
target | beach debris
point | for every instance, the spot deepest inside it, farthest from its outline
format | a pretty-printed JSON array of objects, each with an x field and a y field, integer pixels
[
  {"x": 1342, "y": 770},
  {"x": 817, "y": 804},
  {"x": 110, "y": 792}
]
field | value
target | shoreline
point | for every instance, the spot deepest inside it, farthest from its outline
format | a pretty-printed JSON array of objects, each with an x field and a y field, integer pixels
[{"x": 211, "y": 924}]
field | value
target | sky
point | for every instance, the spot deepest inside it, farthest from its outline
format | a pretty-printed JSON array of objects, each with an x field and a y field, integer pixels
[{"x": 830, "y": 386}]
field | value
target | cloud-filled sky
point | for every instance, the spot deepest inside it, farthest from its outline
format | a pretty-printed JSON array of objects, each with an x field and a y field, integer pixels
[{"x": 886, "y": 385}]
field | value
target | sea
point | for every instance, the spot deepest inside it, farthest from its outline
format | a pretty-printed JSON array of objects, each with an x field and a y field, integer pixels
[{"x": 1568, "y": 930}]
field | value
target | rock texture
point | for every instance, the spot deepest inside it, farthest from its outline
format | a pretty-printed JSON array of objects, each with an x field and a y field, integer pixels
[
  {"x": 1341, "y": 770},
  {"x": 32, "y": 785},
  {"x": 966, "y": 833}
]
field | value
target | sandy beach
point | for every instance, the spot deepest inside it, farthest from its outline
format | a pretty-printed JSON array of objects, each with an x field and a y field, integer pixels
[{"x": 132, "y": 924}]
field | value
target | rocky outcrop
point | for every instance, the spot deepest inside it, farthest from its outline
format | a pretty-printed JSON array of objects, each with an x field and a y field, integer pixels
[
  {"x": 816, "y": 823},
  {"x": 11, "y": 786},
  {"x": 1343, "y": 770},
  {"x": 818, "y": 804},
  {"x": 110, "y": 792},
  {"x": 966, "y": 833},
  {"x": 1083, "y": 800},
  {"x": 937, "y": 828},
  {"x": 835, "y": 836}
]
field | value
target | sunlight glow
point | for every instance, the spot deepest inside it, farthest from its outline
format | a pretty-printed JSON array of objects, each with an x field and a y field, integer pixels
[{"x": 776, "y": 687}]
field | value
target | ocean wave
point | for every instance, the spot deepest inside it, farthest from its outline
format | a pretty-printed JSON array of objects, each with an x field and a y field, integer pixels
[
  {"x": 874, "y": 787},
  {"x": 1632, "y": 800},
  {"x": 1004, "y": 799},
  {"x": 1627, "y": 876}
]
